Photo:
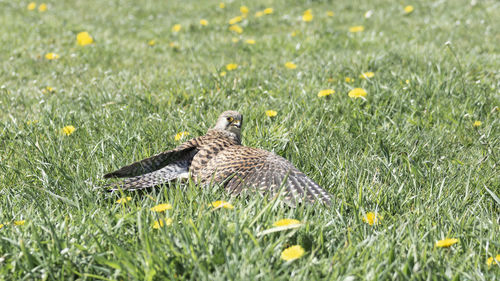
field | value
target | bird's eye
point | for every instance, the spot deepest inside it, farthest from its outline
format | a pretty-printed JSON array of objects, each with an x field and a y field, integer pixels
[{"x": 230, "y": 119}]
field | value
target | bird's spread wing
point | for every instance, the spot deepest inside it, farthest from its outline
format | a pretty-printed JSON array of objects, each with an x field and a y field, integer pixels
[
  {"x": 256, "y": 169},
  {"x": 175, "y": 170},
  {"x": 157, "y": 161}
]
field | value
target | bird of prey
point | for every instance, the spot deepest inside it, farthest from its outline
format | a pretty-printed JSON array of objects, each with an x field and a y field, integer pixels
[{"x": 218, "y": 157}]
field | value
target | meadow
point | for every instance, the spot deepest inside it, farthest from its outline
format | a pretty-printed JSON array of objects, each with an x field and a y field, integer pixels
[{"x": 392, "y": 106}]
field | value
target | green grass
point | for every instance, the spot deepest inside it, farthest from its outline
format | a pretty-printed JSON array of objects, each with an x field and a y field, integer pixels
[{"x": 409, "y": 151}]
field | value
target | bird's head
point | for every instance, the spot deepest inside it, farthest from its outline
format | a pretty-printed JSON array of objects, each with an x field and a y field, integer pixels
[{"x": 230, "y": 121}]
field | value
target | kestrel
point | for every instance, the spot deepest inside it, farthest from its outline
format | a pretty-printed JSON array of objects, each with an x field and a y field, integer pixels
[{"x": 218, "y": 157}]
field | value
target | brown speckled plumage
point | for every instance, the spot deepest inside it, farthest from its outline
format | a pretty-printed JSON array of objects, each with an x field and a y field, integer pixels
[{"x": 219, "y": 157}]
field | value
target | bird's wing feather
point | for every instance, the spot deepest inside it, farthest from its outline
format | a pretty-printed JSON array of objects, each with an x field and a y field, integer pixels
[
  {"x": 266, "y": 172},
  {"x": 157, "y": 161}
]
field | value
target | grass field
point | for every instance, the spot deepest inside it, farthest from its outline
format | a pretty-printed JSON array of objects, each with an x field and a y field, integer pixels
[{"x": 420, "y": 150}]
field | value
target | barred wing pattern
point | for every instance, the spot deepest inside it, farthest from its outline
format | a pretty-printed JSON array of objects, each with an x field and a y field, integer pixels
[{"x": 259, "y": 170}]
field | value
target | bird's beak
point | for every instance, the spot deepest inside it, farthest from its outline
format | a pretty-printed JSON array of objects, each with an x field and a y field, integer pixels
[{"x": 237, "y": 123}]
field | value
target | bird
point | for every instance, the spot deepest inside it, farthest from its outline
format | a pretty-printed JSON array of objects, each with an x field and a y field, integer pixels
[{"x": 219, "y": 157}]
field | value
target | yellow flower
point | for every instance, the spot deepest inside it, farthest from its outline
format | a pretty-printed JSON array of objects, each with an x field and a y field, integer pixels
[
  {"x": 271, "y": 113},
  {"x": 222, "y": 74},
  {"x": 68, "y": 130},
  {"x": 259, "y": 14},
  {"x": 160, "y": 223},
  {"x": 367, "y": 75},
  {"x": 286, "y": 222},
  {"x": 236, "y": 28},
  {"x": 48, "y": 90},
  {"x": 408, "y": 9},
  {"x": 42, "y": 8},
  {"x": 235, "y": 40},
  {"x": 477, "y": 123},
  {"x": 176, "y": 28},
  {"x": 235, "y": 20},
  {"x": 29, "y": 122},
  {"x": 161, "y": 208},
  {"x": 268, "y": 11},
  {"x": 231, "y": 66},
  {"x": 222, "y": 5},
  {"x": 180, "y": 135},
  {"x": 407, "y": 81},
  {"x": 19, "y": 222},
  {"x": 123, "y": 200},
  {"x": 244, "y": 10},
  {"x": 222, "y": 204},
  {"x": 307, "y": 16},
  {"x": 489, "y": 261},
  {"x": 84, "y": 38},
  {"x": 445, "y": 243},
  {"x": 330, "y": 13},
  {"x": 349, "y": 80},
  {"x": 292, "y": 253},
  {"x": 357, "y": 93},
  {"x": 358, "y": 28},
  {"x": 204, "y": 22},
  {"x": 327, "y": 92},
  {"x": 372, "y": 218},
  {"x": 152, "y": 42},
  {"x": 290, "y": 65},
  {"x": 51, "y": 56},
  {"x": 1, "y": 225},
  {"x": 250, "y": 41},
  {"x": 31, "y": 6},
  {"x": 294, "y": 33}
]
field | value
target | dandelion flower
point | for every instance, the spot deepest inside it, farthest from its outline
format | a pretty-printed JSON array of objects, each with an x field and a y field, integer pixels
[
  {"x": 271, "y": 113},
  {"x": 176, "y": 28},
  {"x": 290, "y": 65},
  {"x": 31, "y": 6},
  {"x": 48, "y": 90},
  {"x": 42, "y": 8},
  {"x": 325, "y": 93},
  {"x": 1, "y": 225},
  {"x": 152, "y": 42},
  {"x": 268, "y": 11},
  {"x": 330, "y": 13},
  {"x": 68, "y": 130},
  {"x": 51, "y": 56},
  {"x": 244, "y": 10},
  {"x": 123, "y": 200},
  {"x": 222, "y": 5},
  {"x": 174, "y": 45},
  {"x": 357, "y": 93},
  {"x": 250, "y": 41},
  {"x": 259, "y": 14},
  {"x": 408, "y": 9},
  {"x": 223, "y": 73},
  {"x": 19, "y": 222},
  {"x": 222, "y": 204},
  {"x": 477, "y": 123},
  {"x": 349, "y": 80},
  {"x": 180, "y": 135},
  {"x": 292, "y": 253},
  {"x": 367, "y": 75},
  {"x": 372, "y": 218},
  {"x": 286, "y": 222},
  {"x": 445, "y": 243},
  {"x": 236, "y": 28},
  {"x": 358, "y": 28},
  {"x": 235, "y": 40},
  {"x": 161, "y": 223},
  {"x": 204, "y": 22},
  {"x": 235, "y": 20},
  {"x": 294, "y": 33},
  {"x": 307, "y": 16},
  {"x": 84, "y": 38},
  {"x": 161, "y": 207},
  {"x": 231, "y": 66},
  {"x": 489, "y": 261},
  {"x": 407, "y": 81}
]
